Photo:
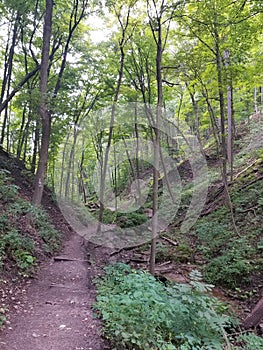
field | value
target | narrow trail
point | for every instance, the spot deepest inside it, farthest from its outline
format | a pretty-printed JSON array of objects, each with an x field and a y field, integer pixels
[{"x": 56, "y": 312}]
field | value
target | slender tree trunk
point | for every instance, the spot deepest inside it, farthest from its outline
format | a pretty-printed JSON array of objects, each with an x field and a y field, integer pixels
[
  {"x": 122, "y": 42},
  {"x": 255, "y": 100},
  {"x": 137, "y": 153},
  {"x": 43, "y": 110},
  {"x": 35, "y": 147},
  {"x": 61, "y": 188},
  {"x": 261, "y": 99},
  {"x": 25, "y": 138},
  {"x": 133, "y": 171},
  {"x": 222, "y": 110},
  {"x": 230, "y": 131},
  {"x": 82, "y": 178},
  {"x": 21, "y": 133},
  {"x": 7, "y": 77},
  {"x": 223, "y": 136},
  {"x": 229, "y": 118},
  {"x": 159, "y": 52},
  {"x": 197, "y": 121}
]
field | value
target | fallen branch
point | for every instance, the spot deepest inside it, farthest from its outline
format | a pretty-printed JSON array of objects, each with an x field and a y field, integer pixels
[
  {"x": 244, "y": 170},
  {"x": 127, "y": 248},
  {"x": 250, "y": 209},
  {"x": 139, "y": 261},
  {"x": 63, "y": 258},
  {"x": 162, "y": 269},
  {"x": 165, "y": 263},
  {"x": 169, "y": 241},
  {"x": 250, "y": 183}
]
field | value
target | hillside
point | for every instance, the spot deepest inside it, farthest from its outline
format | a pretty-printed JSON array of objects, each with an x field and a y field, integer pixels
[
  {"x": 230, "y": 260},
  {"x": 28, "y": 236},
  {"x": 228, "y": 257}
]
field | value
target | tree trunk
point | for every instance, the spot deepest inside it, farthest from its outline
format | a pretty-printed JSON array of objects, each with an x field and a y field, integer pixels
[
  {"x": 222, "y": 110},
  {"x": 137, "y": 155},
  {"x": 122, "y": 42},
  {"x": 159, "y": 52},
  {"x": 7, "y": 76},
  {"x": 197, "y": 121},
  {"x": 43, "y": 108},
  {"x": 254, "y": 318},
  {"x": 255, "y": 100},
  {"x": 35, "y": 147},
  {"x": 229, "y": 118}
]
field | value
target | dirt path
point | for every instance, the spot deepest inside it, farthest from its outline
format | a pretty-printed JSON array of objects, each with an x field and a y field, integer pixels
[{"x": 56, "y": 311}]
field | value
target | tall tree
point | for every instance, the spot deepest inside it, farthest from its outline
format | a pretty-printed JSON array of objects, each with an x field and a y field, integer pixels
[
  {"x": 122, "y": 13},
  {"x": 43, "y": 107},
  {"x": 160, "y": 14}
]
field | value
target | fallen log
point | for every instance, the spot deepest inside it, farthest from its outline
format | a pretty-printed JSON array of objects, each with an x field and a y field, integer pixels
[
  {"x": 64, "y": 258},
  {"x": 169, "y": 241},
  {"x": 255, "y": 317}
]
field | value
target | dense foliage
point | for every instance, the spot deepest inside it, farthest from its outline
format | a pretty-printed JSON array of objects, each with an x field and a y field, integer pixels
[
  {"x": 25, "y": 231},
  {"x": 209, "y": 49},
  {"x": 62, "y": 65},
  {"x": 139, "y": 312}
]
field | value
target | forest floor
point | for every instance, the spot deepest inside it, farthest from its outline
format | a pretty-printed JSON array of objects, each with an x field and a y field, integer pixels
[
  {"x": 52, "y": 309},
  {"x": 55, "y": 311}
]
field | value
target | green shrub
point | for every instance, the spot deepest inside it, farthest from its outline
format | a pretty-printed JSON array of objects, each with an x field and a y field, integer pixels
[
  {"x": 51, "y": 237},
  {"x": 131, "y": 219},
  {"x": 231, "y": 258},
  {"x": 17, "y": 244},
  {"x": 230, "y": 270},
  {"x": 8, "y": 191},
  {"x": 40, "y": 220},
  {"x": 140, "y": 312},
  {"x": 124, "y": 220},
  {"x": 250, "y": 342},
  {"x": 181, "y": 253},
  {"x": 18, "y": 248},
  {"x": 213, "y": 237}
]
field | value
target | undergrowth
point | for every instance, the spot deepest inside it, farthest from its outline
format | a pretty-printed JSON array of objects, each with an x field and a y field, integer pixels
[
  {"x": 124, "y": 220},
  {"x": 25, "y": 231},
  {"x": 140, "y": 312},
  {"x": 231, "y": 259}
]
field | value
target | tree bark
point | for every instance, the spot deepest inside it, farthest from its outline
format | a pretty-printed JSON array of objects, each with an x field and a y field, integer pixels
[
  {"x": 230, "y": 123},
  {"x": 156, "y": 141},
  {"x": 7, "y": 76},
  {"x": 43, "y": 108},
  {"x": 254, "y": 318}
]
